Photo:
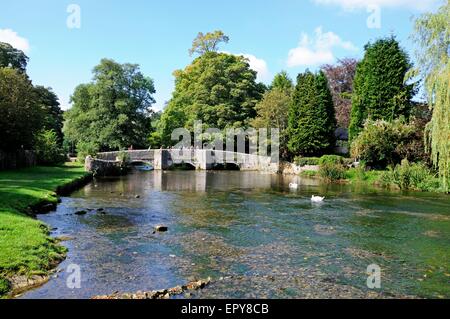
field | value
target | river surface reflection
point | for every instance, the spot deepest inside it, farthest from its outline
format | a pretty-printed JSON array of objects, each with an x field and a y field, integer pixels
[{"x": 252, "y": 235}]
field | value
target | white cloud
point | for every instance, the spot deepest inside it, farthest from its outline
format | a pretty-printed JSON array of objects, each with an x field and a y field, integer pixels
[
  {"x": 420, "y": 5},
  {"x": 11, "y": 37},
  {"x": 311, "y": 52},
  {"x": 256, "y": 64}
]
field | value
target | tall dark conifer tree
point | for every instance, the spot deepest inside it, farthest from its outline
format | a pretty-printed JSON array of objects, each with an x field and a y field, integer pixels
[
  {"x": 312, "y": 121},
  {"x": 379, "y": 89}
]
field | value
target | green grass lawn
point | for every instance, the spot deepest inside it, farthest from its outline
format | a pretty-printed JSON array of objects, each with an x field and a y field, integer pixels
[{"x": 25, "y": 245}]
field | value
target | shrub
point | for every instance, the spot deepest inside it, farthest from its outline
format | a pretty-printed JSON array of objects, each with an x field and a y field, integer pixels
[
  {"x": 416, "y": 176},
  {"x": 85, "y": 149},
  {"x": 309, "y": 173},
  {"x": 47, "y": 148},
  {"x": 332, "y": 172},
  {"x": 383, "y": 143},
  {"x": 123, "y": 157},
  {"x": 331, "y": 159},
  {"x": 303, "y": 161},
  {"x": 360, "y": 172}
]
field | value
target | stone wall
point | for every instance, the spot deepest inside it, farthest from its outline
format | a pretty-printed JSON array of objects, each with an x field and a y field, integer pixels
[
  {"x": 17, "y": 159},
  {"x": 287, "y": 168},
  {"x": 101, "y": 167},
  {"x": 134, "y": 155}
]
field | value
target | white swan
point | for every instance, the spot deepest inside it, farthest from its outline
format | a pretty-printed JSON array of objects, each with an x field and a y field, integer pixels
[
  {"x": 293, "y": 186},
  {"x": 317, "y": 199}
]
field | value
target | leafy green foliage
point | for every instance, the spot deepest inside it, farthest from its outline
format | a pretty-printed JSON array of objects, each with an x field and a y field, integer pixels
[
  {"x": 12, "y": 57},
  {"x": 282, "y": 82},
  {"x": 154, "y": 138},
  {"x": 48, "y": 149},
  {"x": 416, "y": 176},
  {"x": 123, "y": 157},
  {"x": 379, "y": 89},
  {"x": 217, "y": 88},
  {"x": 332, "y": 172},
  {"x": 432, "y": 34},
  {"x": 5, "y": 286},
  {"x": 208, "y": 42},
  {"x": 53, "y": 118},
  {"x": 113, "y": 111},
  {"x": 309, "y": 174},
  {"x": 304, "y": 161},
  {"x": 361, "y": 174},
  {"x": 272, "y": 110},
  {"x": 383, "y": 143},
  {"x": 21, "y": 116},
  {"x": 312, "y": 122},
  {"x": 331, "y": 159},
  {"x": 86, "y": 149}
]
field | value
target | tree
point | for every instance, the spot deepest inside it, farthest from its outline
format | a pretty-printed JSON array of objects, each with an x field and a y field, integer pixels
[
  {"x": 312, "y": 121},
  {"x": 282, "y": 81},
  {"x": 21, "y": 116},
  {"x": 53, "y": 119},
  {"x": 48, "y": 148},
  {"x": 379, "y": 90},
  {"x": 208, "y": 42},
  {"x": 340, "y": 79},
  {"x": 432, "y": 35},
  {"x": 272, "y": 111},
  {"x": 113, "y": 111},
  {"x": 218, "y": 89},
  {"x": 12, "y": 57}
]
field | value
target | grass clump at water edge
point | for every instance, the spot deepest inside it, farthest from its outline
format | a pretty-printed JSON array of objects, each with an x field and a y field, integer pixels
[{"x": 25, "y": 245}]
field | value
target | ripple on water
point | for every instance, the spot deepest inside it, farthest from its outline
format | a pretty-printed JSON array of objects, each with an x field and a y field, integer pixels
[{"x": 253, "y": 236}]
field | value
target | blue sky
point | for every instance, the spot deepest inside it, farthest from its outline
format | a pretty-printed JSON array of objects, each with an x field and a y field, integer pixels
[{"x": 275, "y": 35}]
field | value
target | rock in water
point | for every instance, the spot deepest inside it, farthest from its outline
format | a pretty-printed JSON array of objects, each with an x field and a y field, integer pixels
[
  {"x": 81, "y": 212},
  {"x": 161, "y": 228},
  {"x": 161, "y": 294}
]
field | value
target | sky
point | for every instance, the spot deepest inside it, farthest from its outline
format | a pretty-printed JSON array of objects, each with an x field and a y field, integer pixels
[{"x": 66, "y": 39}]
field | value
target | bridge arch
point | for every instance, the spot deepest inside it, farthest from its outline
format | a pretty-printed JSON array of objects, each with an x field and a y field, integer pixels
[{"x": 163, "y": 159}]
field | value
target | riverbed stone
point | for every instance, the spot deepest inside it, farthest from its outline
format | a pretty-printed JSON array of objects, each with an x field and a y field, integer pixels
[{"x": 161, "y": 228}]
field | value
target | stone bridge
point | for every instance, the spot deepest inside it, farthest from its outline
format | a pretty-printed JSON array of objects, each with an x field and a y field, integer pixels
[{"x": 163, "y": 159}]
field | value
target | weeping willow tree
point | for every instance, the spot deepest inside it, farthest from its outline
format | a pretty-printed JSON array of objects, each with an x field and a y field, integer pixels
[{"x": 432, "y": 35}]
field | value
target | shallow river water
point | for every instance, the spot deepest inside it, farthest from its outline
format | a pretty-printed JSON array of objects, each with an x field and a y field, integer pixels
[{"x": 252, "y": 235}]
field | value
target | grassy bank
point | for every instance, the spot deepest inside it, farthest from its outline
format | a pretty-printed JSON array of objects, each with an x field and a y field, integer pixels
[
  {"x": 25, "y": 245},
  {"x": 351, "y": 176},
  {"x": 402, "y": 178}
]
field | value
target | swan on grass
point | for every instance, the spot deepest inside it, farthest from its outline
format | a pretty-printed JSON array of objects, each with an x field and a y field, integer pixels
[{"x": 317, "y": 199}]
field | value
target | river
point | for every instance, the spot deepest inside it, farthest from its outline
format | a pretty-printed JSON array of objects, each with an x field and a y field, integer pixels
[{"x": 252, "y": 235}]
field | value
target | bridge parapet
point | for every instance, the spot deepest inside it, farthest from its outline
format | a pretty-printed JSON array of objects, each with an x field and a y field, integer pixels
[
  {"x": 200, "y": 159},
  {"x": 134, "y": 155}
]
